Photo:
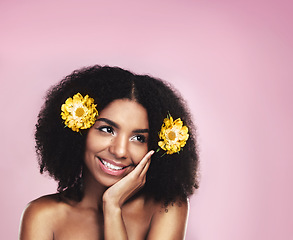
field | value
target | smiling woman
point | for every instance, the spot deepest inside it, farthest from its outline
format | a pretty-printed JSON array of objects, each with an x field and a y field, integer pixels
[
  {"x": 117, "y": 141},
  {"x": 108, "y": 137}
]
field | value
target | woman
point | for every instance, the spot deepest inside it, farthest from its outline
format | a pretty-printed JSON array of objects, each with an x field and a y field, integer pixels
[{"x": 111, "y": 140}]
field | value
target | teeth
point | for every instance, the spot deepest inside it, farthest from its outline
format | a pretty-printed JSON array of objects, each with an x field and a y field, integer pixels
[{"x": 111, "y": 166}]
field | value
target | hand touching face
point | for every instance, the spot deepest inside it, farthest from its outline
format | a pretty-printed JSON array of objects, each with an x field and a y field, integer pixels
[{"x": 117, "y": 142}]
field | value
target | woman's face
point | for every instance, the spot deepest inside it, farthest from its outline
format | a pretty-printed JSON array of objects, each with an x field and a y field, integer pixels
[{"x": 117, "y": 142}]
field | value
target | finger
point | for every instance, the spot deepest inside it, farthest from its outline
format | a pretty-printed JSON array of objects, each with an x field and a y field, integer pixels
[
  {"x": 141, "y": 165},
  {"x": 144, "y": 161},
  {"x": 146, "y": 167}
]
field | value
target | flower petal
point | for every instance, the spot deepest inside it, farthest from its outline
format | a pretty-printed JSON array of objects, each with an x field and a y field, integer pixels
[{"x": 79, "y": 112}]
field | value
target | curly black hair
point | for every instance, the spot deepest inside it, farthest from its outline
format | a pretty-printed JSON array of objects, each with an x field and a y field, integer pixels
[{"x": 61, "y": 151}]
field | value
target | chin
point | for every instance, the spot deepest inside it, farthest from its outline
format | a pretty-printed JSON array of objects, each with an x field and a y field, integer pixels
[{"x": 108, "y": 181}]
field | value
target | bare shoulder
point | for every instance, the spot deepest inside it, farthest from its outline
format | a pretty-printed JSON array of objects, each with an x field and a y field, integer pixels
[
  {"x": 42, "y": 207},
  {"x": 179, "y": 207},
  {"x": 39, "y": 217},
  {"x": 169, "y": 222}
]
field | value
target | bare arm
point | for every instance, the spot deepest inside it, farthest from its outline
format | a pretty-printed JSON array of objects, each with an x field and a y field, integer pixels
[
  {"x": 170, "y": 224},
  {"x": 115, "y": 197},
  {"x": 36, "y": 223}
]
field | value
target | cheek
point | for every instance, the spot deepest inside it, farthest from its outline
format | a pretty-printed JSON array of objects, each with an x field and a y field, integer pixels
[
  {"x": 95, "y": 143},
  {"x": 138, "y": 153}
]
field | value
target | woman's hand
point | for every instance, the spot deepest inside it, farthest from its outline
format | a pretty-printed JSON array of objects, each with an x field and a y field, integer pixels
[{"x": 117, "y": 194}]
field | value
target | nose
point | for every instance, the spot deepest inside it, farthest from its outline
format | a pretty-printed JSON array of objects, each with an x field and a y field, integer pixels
[{"x": 119, "y": 146}]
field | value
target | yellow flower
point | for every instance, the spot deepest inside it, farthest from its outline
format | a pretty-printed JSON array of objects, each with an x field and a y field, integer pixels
[
  {"x": 173, "y": 134},
  {"x": 79, "y": 112}
]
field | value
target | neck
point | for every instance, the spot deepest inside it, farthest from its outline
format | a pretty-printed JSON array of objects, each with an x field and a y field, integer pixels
[{"x": 93, "y": 192}]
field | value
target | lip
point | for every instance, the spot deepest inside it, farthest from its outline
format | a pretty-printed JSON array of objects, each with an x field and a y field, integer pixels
[
  {"x": 110, "y": 171},
  {"x": 113, "y": 163}
]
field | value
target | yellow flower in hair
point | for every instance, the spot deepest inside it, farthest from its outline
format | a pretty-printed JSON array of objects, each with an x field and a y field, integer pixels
[
  {"x": 79, "y": 112},
  {"x": 173, "y": 134}
]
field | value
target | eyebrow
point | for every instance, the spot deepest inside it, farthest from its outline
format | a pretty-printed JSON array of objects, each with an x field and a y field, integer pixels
[
  {"x": 108, "y": 121},
  {"x": 141, "y": 131}
]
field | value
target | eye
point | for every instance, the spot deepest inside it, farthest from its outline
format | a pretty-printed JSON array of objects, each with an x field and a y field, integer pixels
[
  {"x": 139, "y": 138},
  {"x": 106, "y": 129}
]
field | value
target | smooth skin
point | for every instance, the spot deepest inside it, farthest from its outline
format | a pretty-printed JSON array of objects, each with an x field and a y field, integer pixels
[{"x": 111, "y": 207}]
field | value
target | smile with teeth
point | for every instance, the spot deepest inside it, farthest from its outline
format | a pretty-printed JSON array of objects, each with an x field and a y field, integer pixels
[{"x": 111, "y": 166}]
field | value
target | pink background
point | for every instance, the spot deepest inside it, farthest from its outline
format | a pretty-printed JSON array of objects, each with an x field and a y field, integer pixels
[{"x": 231, "y": 60}]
